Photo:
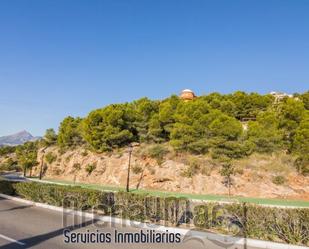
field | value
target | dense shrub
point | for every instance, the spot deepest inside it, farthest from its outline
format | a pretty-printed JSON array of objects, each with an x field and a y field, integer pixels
[
  {"x": 9, "y": 165},
  {"x": 5, "y": 150},
  {"x": 90, "y": 168},
  {"x": 50, "y": 137},
  {"x": 76, "y": 166},
  {"x": 264, "y": 133},
  {"x": 84, "y": 153},
  {"x": 70, "y": 132},
  {"x": 230, "y": 149},
  {"x": 6, "y": 187},
  {"x": 58, "y": 195},
  {"x": 27, "y": 156},
  {"x": 109, "y": 127},
  {"x": 275, "y": 224},
  {"x": 157, "y": 152},
  {"x": 302, "y": 164},
  {"x": 50, "y": 157},
  {"x": 121, "y": 204},
  {"x": 136, "y": 169},
  {"x": 279, "y": 180},
  {"x": 193, "y": 166},
  {"x": 300, "y": 145}
]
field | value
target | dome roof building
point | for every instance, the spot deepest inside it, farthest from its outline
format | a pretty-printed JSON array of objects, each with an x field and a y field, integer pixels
[{"x": 187, "y": 94}]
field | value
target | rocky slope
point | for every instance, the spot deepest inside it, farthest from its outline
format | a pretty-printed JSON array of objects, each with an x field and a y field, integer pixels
[{"x": 254, "y": 176}]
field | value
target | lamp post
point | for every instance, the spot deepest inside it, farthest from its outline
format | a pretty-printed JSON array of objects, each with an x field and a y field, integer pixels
[
  {"x": 130, "y": 149},
  {"x": 42, "y": 162}
]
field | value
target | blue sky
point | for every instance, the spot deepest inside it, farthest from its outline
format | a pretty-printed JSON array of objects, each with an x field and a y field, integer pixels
[{"x": 67, "y": 57}]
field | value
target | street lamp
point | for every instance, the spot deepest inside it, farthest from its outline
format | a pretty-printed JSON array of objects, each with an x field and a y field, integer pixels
[
  {"x": 42, "y": 162},
  {"x": 130, "y": 150}
]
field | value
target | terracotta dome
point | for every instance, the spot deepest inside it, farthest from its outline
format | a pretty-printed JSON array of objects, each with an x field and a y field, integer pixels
[{"x": 187, "y": 94}]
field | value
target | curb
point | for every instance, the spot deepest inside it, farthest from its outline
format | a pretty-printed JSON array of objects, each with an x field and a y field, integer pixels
[
  {"x": 235, "y": 201},
  {"x": 135, "y": 224}
]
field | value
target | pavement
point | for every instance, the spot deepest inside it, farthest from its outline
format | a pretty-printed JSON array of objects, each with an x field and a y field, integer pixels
[
  {"x": 14, "y": 176},
  {"x": 27, "y": 226}
]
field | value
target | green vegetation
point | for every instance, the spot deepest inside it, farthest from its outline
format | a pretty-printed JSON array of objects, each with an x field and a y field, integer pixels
[
  {"x": 6, "y": 150},
  {"x": 50, "y": 157},
  {"x": 84, "y": 153},
  {"x": 208, "y": 124},
  {"x": 76, "y": 166},
  {"x": 279, "y": 180},
  {"x": 194, "y": 166},
  {"x": 301, "y": 145},
  {"x": 9, "y": 165},
  {"x": 90, "y": 168},
  {"x": 264, "y": 133},
  {"x": 213, "y": 124},
  {"x": 157, "y": 152},
  {"x": 252, "y": 221},
  {"x": 110, "y": 127},
  {"x": 305, "y": 99},
  {"x": 137, "y": 169},
  {"x": 227, "y": 171},
  {"x": 27, "y": 156},
  {"x": 50, "y": 137},
  {"x": 70, "y": 132},
  {"x": 286, "y": 225}
]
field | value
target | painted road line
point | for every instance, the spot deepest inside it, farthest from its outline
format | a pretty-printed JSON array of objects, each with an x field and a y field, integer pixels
[{"x": 11, "y": 240}]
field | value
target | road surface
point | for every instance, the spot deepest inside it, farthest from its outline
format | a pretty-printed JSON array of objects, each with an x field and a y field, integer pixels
[
  {"x": 26, "y": 226},
  {"x": 14, "y": 176}
]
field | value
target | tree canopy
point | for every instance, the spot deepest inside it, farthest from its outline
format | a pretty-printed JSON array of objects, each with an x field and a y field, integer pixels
[
  {"x": 214, "y": 123},
  {"x": 27, "y": 155}
]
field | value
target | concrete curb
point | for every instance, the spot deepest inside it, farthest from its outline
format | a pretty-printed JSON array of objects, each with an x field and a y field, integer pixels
[
  {"x": 49, "y": 182},
  {"x": 196, "y": 234},
  {"x": 235, "y": 201}
]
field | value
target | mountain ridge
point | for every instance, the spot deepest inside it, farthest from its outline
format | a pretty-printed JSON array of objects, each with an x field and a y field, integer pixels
[{"x": 17, "y": 138}]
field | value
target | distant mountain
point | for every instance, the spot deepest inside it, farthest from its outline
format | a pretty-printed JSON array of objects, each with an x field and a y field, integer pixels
[{"x": 17, "y": 138}]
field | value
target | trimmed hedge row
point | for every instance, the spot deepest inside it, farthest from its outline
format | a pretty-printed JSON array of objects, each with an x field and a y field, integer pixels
[
  {"x": 289, "y": 225},
  {"x": 6, "y": 187},
  {"x": 121, "y": 204},
  {"x": 239, "y": 219}
]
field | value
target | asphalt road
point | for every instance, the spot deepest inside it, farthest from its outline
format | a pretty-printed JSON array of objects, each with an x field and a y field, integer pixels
[
  {"x": 14, "y": 176},
  {"x": 26, "y": 226}
]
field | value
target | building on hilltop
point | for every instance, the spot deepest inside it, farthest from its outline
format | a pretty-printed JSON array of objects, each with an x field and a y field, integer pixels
[
  {"x": 187, "y": 95},
  {"x": 280, "y": 96}
]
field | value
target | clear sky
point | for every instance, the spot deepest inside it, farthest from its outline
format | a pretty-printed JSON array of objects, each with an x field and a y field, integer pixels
[{"x": 67, "y": 57}]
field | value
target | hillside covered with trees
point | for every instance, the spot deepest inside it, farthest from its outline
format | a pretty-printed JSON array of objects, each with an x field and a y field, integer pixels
[
  {"x": 226, "y": 129},
  {"x": 208, "y": 124}
]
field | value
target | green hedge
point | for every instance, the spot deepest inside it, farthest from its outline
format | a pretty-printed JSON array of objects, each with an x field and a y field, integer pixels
[
  {"x": 289, "y": 225},
  {"x": 240, "y": 219},
  {"x": 6, "y": 187},
  {"x": 121, "y": 204}
]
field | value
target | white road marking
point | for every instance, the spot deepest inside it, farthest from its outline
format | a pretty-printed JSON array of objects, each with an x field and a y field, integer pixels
[{"x": 12, "y": 240}]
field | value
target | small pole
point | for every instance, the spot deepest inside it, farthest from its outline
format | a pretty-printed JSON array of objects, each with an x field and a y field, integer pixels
[
  {"x": 25, "y": 170},
  {"x": 245, "y": 224},
  {"x": 229, "y": 185},
  {"x": 42, "y": 162},
  {"x": 130, "y": 149}
]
